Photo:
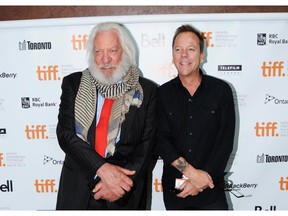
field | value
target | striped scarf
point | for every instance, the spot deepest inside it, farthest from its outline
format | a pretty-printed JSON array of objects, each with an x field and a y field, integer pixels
[{"x": 125, "y": 94}]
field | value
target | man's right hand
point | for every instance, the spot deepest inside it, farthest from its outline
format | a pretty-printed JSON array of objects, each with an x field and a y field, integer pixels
[{"x": 115, "y": 182}]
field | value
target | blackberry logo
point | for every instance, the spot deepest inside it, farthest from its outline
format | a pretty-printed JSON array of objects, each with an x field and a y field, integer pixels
[{"x": 261, "y": 39}]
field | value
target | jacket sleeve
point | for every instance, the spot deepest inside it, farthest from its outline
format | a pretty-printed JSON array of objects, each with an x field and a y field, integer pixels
[
  {"x": 164, "y": 146},
  {"x": 82, "y": 152},
  {"x": 143, "y": 130},
  {"x": 224, "y": 140}
]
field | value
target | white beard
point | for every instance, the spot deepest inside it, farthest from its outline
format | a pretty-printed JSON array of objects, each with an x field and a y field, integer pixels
[{"x": 109, "y": 78}]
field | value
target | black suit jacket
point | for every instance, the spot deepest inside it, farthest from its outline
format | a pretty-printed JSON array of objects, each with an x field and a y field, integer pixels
[{"x": 133, "y": 151}]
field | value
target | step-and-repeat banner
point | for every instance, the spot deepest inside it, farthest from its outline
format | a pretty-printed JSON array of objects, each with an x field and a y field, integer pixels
[{"x": 250, "y": 51}]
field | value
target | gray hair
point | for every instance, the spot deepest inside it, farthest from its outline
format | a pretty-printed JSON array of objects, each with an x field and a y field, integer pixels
[{"x": 127, "y": 41}]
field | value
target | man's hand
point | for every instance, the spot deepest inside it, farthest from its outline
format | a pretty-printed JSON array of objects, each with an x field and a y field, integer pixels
[
  {"x": 115, "y": 182},
  {"x": 199, "y": 179},
  {"x": 187, "y": 189}
]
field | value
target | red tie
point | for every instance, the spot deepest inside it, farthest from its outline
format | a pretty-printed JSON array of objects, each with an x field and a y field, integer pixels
[{"x": 101, "y": 130}]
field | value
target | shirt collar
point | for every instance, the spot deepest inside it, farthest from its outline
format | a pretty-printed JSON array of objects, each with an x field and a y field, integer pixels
[{"x": 202, "y": 84}]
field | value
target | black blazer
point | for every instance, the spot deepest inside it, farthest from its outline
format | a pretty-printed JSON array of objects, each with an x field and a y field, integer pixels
[{"x": 133, "y": 151}]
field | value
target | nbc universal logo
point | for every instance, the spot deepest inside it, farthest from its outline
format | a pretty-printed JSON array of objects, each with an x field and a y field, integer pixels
[
  {"x": 273, "y": 39},
  {"x": 34, "y": 45}
]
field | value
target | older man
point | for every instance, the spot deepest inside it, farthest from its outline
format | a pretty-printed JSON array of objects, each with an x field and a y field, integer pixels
[{"x": 106, "y": 126}]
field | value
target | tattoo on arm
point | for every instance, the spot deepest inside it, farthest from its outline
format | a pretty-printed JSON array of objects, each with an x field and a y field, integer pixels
[{"x": 181, "y": 165}]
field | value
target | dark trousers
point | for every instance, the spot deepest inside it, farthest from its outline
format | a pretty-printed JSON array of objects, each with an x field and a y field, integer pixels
[{"x": 220, "y": 204}]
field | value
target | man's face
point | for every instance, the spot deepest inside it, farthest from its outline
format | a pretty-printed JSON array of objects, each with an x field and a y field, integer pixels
[
  {"x": 186, "y": 53},
  {"x": 107, "y": 52}
]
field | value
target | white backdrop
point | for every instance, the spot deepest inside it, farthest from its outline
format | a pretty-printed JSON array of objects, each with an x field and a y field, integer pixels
[{"x": 247, "y": 50}]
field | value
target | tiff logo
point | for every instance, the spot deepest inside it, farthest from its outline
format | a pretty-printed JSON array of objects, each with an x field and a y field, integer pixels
[
  {"x": 2, "y": 164},
  {"x": 45, "y": 186},
  {"x": 208, "y": 36},
  {"x": 36, "y": 132},
  {"x": 47, "y": 73},
  {"x": 273, "y": 69},
  {"x": 80, "y": 42},
  {"x": 266, "y": 129},
  {"x": 283, "y": 183}
]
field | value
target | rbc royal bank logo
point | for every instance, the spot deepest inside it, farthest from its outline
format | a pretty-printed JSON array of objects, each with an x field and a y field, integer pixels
[{"x": 261, "y": 39}]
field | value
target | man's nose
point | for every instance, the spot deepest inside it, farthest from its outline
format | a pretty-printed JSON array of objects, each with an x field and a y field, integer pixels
[{"x": 106, "y": 57}]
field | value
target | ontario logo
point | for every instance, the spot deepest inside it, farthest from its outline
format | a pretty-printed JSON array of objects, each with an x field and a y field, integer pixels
[
  {"x": 50, "y": 160},
  {"x": 274, "y": 100}
]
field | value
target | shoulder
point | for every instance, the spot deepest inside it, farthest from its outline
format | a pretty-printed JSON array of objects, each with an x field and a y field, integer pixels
[
  {"x": 147, "y": 83},
  {"x": 72, "y": 80},
  {"x": 73, "y": 76},
  {"x": 169, "y": 84},
  {"x": 217, "y": 83}
]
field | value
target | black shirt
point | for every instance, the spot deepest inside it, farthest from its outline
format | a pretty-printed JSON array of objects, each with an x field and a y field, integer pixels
[{"x": 199, "y": 128}]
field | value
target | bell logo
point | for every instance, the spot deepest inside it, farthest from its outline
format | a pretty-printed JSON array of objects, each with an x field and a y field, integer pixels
[
  {"x": 8, "y": 187},
  {"x": 48, "y": 73},
  {"x": 266, "y": 129},
  {"x": 156, "y": 41},
  {"x": 260, "y": 208},
  {"x": 207, "y": 36},
  {"x": 45, "y": 186},
  {"x": 36, "y": 132},
  {"x": 2, "y": 164},
  {"x": 273, "y": 69},
  {"x": 283, "y": 183},
  {"x": 80, "y": 42}
]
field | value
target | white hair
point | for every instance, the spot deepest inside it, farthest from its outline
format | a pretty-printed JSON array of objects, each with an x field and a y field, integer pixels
[{"x": 128, "y": 44}]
